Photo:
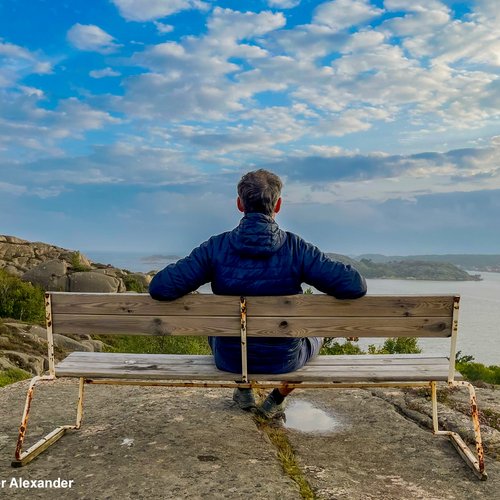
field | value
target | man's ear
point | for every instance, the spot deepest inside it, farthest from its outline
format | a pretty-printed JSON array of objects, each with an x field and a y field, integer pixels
[
  {"x": 277, "y": 208},
  {"x": 239, "y": 204}
]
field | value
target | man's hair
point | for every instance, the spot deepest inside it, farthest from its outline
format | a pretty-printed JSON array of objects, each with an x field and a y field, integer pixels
[{"x": 259, "y": 191}]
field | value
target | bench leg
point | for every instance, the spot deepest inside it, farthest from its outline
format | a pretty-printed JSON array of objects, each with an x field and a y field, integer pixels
[
  {"x": 476, "y": 464},
  {"x": 24, "y": 457}
]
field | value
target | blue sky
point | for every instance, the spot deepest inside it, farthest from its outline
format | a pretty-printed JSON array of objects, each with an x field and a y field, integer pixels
[{"x": 126, "y": 124}]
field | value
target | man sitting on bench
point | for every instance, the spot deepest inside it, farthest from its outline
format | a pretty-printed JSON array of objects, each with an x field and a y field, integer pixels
[{"x": 259, "y": 258}]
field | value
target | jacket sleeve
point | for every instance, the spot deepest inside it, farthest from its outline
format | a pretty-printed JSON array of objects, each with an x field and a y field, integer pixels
[
  {"x": 331, "y": 277},
  {"x": 184, "y": 276}
]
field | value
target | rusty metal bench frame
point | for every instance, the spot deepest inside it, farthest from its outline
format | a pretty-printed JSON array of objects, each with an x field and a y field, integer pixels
[{"x": 289, "y": 320}]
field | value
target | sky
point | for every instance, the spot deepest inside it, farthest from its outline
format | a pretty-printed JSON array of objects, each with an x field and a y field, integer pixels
[{"x": 125, "y": 125}]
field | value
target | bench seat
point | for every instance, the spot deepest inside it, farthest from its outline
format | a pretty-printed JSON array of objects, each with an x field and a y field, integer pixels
[{"x": 346, "y": 368}]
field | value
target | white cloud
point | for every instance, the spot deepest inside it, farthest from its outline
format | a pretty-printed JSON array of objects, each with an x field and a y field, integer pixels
[
  {"x": 14, "y": 51},
  {"x": 31, "y": 91},
  {"x": 414, "y": 5},
  {"x": 17, "y": 62},
  {"x": 163, "y": 28},
  {"x": 230, "y": 24},
  {"x": 194, "y": 78},
  {"x": 430, "y": 32},
  {"x": 149, "y": 10},
  {"x": 103, "y": 73},
  {"x": 12, "y": 189},
  {"x": 73, "y": 117},
  {"x": 28, "y": 131},
  {"x": 283, "y": 4},
  {"x": 125, "y": 163},
  {"x": 341, "y": 14},
  {"x": 91, "y": 38},
  {"x": 380, "y": 177}
]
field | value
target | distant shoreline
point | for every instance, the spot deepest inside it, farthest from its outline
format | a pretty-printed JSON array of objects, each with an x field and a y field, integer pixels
[{"x": 406, "y": 269}]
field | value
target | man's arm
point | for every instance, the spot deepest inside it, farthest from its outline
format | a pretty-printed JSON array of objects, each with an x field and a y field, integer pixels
[
  {"x": 331, "y": 277},
  {"x": 185, "y": 276}
]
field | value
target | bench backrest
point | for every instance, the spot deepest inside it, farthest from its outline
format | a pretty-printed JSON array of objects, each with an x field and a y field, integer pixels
[{"x": 283, "y": 316}]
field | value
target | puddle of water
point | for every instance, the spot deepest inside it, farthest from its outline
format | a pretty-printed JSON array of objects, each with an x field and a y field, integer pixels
[{"x": 303, "y": 416}]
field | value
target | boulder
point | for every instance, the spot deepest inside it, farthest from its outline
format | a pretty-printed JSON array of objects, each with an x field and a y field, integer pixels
[
  {"x": 93, "y": 345},
  {"x": 12, "y": 270},
  {"x": 94, "y": 282},
  {"x": 108, "y": 271},
  {"x": 38, "y": 331},
  {"x": 70, "y": 344},
  {"x": 50, "y": 275},
  {"x": 28, "y": 362},
  {"x": 5, "y": 364}
]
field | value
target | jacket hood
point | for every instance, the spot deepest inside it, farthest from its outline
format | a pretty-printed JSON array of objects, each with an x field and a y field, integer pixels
[{"x": 257, "y": 235}]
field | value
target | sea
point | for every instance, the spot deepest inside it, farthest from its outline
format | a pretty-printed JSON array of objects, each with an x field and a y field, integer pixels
[{"x": 479, "y": 317}]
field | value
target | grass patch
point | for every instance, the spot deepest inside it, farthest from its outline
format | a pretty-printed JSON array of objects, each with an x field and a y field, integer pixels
[
  {"x": 492, "y": 418},
  {"x": 286, "y": 455},
  {"x": 12, "y": 375}
]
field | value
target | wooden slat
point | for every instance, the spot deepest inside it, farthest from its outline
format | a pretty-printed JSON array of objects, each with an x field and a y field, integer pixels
[
  {"x": 329, "y": 360},
  {"x": 187, "y": 367},
  {"x": 368, "y": 306},
  {"x": 131, "y": 304},
  {"x": 217, "y": 305},
  {"x": 257, "y": 326},
  {"x": 146, "y": 325}
]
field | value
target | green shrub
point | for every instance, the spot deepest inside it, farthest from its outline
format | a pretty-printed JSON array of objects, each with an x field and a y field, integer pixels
[
  {"x": 397, "y": 345},
  {"x": 477, "y": 371},
  {"x": 76, "y": 263},
  {"x": 12, "y": 375},
  {"x": 21, "y": 300},
  {"x": 156, "y": 344},
  {"x": 132, "y": 284},
  {"x": 332, "y": 347}
]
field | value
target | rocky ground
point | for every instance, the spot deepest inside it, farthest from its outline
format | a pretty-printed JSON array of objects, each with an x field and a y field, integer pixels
[{"x": 159, "y": 443}]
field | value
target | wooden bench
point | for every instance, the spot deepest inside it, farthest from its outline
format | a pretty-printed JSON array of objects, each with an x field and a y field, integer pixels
[{"x": 285, "y": 316}]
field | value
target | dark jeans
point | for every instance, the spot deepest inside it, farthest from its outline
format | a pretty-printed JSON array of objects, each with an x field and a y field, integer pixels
[{"x": 264, "y": 359}]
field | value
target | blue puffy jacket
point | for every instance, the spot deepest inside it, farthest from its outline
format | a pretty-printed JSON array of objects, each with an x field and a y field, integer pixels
[{"x": 257, "y": 258}]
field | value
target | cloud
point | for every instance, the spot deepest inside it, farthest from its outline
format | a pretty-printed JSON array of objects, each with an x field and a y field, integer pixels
[
  {"x": 346, "y": 82},
  {"x": 341, "y": 14},
  {"x": 431, "y": 223},
  {"x": 430, "y": 32},
  {"x": 28, "y": 131},
  {"x": 149, "y": 10},
  {"x": 12, "y": 189},
  {"x": 163, "y": 28},
  {"x": 328, "y": 178},
  {"x": 91, "y": 38},
  {"x": 103, "y": 73},
  {"x": 283, "y": 4},
  {"x": 123, "y": 163},
  {"x": 16, "y": 62},
  {"x": 234, "y": 25},
  {"x": 194, "y": 79}
]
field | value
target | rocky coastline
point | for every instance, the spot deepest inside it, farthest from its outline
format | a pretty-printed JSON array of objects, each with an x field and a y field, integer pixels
[
  {"x": 59, "y": 269},
  {"x": 23, "y": 346}
]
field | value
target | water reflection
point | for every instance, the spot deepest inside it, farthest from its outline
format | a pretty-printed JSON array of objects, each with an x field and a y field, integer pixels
[{"x": 303, "y": 416}]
